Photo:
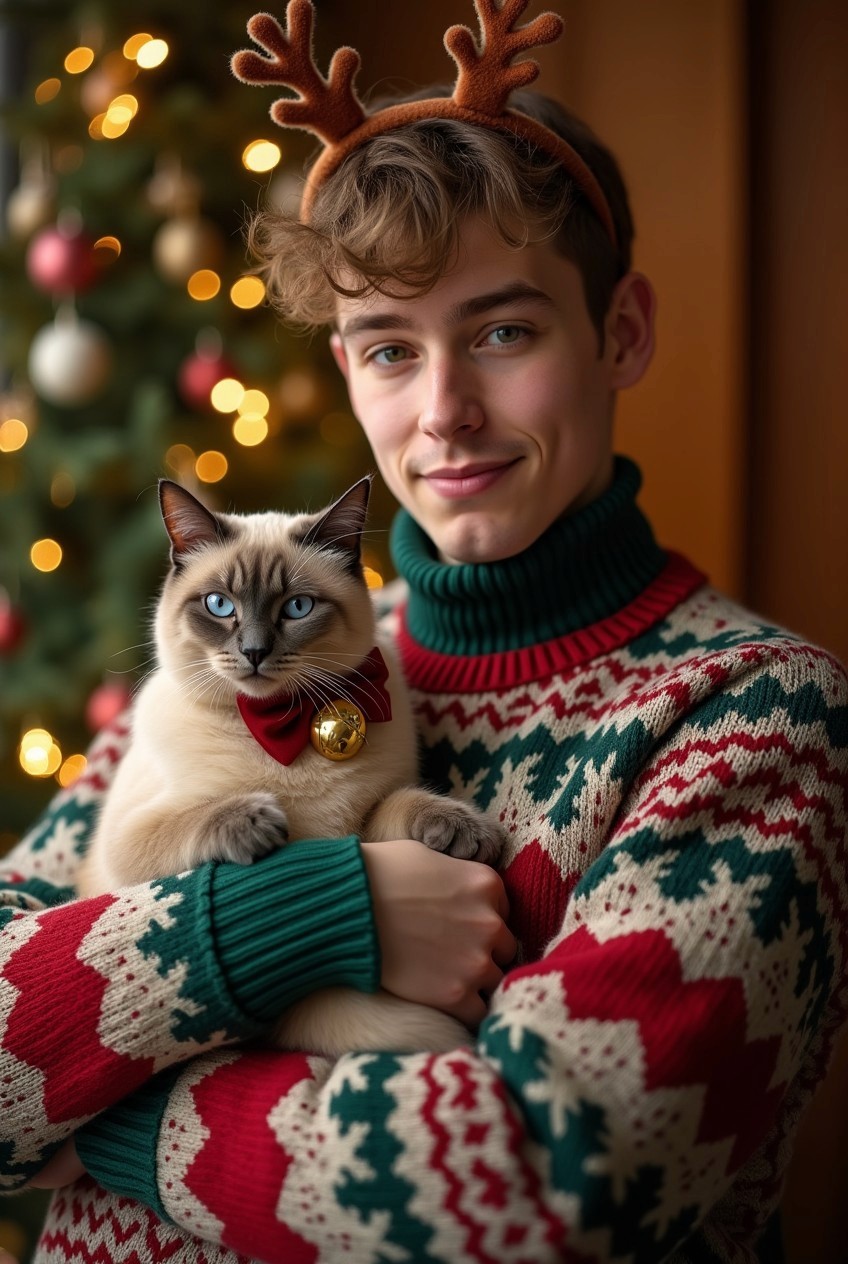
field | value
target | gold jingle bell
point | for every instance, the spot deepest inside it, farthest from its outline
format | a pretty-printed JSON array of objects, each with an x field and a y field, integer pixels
[{"x": 338, "y": 730}]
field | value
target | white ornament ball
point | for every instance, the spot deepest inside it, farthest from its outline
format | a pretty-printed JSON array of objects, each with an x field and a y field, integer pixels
[{"x": 70, "y": 363}]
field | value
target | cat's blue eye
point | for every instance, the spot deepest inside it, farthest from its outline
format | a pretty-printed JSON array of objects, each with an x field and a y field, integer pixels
[
  {"x": 219, "y": 605},
  {"x": 298, "y": 607}
]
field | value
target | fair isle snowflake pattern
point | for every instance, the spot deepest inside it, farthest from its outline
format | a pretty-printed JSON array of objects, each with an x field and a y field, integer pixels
[{"x": 675, "y": 804}]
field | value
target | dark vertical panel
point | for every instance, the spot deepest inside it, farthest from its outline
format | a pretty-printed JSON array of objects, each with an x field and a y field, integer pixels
[{"x": 798, "y": 526}]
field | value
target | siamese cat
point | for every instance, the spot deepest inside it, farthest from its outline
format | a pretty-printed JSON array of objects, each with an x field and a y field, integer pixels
[{"x": 265, "y": 620}]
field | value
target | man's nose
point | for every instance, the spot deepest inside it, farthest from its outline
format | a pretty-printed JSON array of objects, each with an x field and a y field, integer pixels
[{"x": 452, "y": 402}]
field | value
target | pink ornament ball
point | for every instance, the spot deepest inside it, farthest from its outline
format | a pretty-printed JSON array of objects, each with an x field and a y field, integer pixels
[
  {"x": 198, "y": 374},
  {"x": 61, "y": 261},
  {"x": 105, "y": 705}
]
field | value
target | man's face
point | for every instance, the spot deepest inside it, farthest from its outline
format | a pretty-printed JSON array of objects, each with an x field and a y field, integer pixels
[{"x": 486, "y": 401}]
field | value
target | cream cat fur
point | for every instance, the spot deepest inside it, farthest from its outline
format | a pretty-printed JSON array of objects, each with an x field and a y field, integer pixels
[{"x": 195, "y": 785}]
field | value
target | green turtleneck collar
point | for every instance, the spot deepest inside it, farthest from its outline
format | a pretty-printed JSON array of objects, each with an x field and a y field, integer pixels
[{"x": 586, "y": 567}]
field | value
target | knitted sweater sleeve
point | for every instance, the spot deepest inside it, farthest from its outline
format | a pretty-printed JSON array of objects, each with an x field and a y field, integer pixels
[
  {"x": 623, "y": 1087},
  {"x": 99, "y": 995}
]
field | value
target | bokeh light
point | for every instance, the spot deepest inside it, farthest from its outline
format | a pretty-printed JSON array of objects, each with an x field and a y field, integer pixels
[
  {"x": 203, "y": 284},
  {"x": 47, "y": 90},
  {"x": 261, "y": 155},
  {"x": 122, "y": 109},
  {"x": 152, "y": 53},
  {"x": 247, "y": 291},
  {"x": 254, "y": 402},
  {"x": 110, "y": 246},
  {"x": 72, "y": 768},
  {"x": 210, "y": 467},
  {"x": 180, "y": 458},
  {"x": 38, "y": 753},
  {"x": 227, "y": 395},
  {"x": 46, "y": 555},
  {"x": 79, "y": 60},
  {"x": 13, "y": 435},
  {"x": 134, "y": 43},
  {"x": 250, "y": 430}
]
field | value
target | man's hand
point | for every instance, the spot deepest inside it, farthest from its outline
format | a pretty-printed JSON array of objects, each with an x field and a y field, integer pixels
[
  {"x": 62, "y": 1169},
  {"x": 442, "y": 927}
]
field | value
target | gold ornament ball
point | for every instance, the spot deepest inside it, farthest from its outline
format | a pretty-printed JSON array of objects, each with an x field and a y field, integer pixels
[
  {"x": 30, "y": 206},
  {"x": 338, "y": 731},
  {"x": 184, "y": 245}
]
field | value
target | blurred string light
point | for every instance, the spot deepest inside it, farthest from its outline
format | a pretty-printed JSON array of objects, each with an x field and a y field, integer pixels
[
  {"x": 110, "y": 246},
  {"x": 13, "y": 434},
  {"x": 227, "y": 395},
  {"x": 79, "y": 60},
  {"x": 203, "y": 284},
  {"x": 210, "y": 467},
  {"x": 134, "y": 43},
  {"x": 38, "y": 753},
  {"x": 115, "y": 119},
  {"x": 151, "y": 54},
  {"x": 74, "y": 766},
  {"x": 47, "y": 90},
  {"x": 373, "y": 579},
  {"x": 250, "y": 429},
  {"x": 46, "y": 555},
  {"x": 261, "y": 155},
  {"x": 180, "y": 458},
  {"x": 251, "y": 426},
  {"x": 247, "y": 291},
  {"x": 254, "y": 402}
]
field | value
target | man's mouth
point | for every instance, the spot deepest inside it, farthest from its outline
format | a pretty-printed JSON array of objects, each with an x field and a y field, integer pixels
[{"x": 454, "y": 482}]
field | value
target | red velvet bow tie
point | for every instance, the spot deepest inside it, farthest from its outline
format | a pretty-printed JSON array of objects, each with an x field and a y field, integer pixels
[{"x": 281, "y": 724}]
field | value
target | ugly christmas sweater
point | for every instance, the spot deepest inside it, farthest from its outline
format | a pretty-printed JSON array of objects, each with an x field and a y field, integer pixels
[{"x": 672, "y": 775}]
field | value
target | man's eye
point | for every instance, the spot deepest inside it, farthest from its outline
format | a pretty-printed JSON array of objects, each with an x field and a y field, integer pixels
[
  {"x": 505, "y": 335},
  {"x": 389, "y": 355}
]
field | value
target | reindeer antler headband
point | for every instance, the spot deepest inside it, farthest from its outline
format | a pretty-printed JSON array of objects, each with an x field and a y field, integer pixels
[{"x": 331, "y": 109}]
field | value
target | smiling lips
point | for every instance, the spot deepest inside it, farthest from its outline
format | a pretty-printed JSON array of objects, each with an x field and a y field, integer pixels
[{"x": 467, "y": 480}]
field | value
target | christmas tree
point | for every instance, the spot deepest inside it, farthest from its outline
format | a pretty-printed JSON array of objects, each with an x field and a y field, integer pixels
[{"x": 134, "y": 344}]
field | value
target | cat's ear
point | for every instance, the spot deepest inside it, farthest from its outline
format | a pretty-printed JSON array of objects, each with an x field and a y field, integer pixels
[
  {"x": 189, "y": 524},
  {"x": 340, "y": 527}
]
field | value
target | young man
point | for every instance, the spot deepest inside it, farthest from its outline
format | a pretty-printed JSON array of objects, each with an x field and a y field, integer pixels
[{"x": 671, "y": 773}]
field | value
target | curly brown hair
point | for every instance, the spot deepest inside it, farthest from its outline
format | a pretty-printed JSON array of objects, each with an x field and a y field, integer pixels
[{"x": 390, "y": 216}]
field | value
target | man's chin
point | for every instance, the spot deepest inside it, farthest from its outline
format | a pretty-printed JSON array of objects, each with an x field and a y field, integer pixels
[{"x": 475, "y": 543}]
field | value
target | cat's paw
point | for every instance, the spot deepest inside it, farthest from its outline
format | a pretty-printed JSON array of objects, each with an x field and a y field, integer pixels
[
  {"x": 247, "y": 827},
  {"x": 457, "y": 829}
]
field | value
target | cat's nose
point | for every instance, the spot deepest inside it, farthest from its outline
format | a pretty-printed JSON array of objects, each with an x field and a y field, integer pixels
[{"x": 255, "y": 654}]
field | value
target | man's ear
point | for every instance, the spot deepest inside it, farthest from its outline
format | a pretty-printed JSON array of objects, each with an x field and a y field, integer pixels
[
  {"x": 629, "y": 327},
  {"x": 339, "y": 354}
]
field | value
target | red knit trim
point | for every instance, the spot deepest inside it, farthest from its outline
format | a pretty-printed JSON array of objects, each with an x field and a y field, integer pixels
[{"x": 457, "y": 673}]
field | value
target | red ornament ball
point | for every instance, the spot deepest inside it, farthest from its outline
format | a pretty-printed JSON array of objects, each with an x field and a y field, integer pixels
[
  {"x": 198, "y": 374},
  {"x": 12, "y": 627},
  {"x": 61, "y": 260},
  {"x": 106, "y": 704}
]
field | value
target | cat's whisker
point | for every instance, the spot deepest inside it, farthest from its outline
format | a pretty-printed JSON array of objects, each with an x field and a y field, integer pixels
[{"x": 365, "y": 685}]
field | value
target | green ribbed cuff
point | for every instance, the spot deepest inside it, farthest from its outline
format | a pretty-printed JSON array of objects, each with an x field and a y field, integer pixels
[
  {"x": 297, "y": 921},
  {"x": 119, "y": 1147}
]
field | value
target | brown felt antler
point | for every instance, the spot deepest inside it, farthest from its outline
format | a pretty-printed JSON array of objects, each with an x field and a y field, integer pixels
[
  {"x": 329, "y": 107},
  {"x": 486, "y": 76}
]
